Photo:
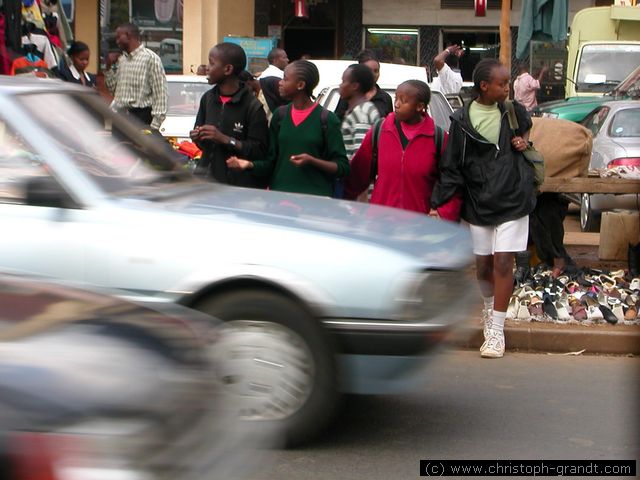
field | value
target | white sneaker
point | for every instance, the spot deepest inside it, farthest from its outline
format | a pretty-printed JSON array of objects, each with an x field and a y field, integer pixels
[
  {"x": 487, "y": 316},
  {"x": 493, "y": 347}
]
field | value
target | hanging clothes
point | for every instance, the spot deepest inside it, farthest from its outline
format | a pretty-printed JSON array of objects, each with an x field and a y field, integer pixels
[
  {"x": 13, "y": 24},
  {"x": 5, "y": 63},
  {"x": 42, "y": 43},
  {"x": 31, "y": 13}
]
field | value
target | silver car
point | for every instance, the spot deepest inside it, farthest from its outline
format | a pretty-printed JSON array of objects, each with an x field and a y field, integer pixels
[
  {"x": 185, "y": 92},
  {"x": 320, "y": 296},
  {"x": 616, "y": 142}
]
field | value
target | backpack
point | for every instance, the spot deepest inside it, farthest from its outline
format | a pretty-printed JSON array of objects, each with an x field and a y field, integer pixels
[
  {"x": 338, "y": 185},
  {"x": 377, "y": 127}
]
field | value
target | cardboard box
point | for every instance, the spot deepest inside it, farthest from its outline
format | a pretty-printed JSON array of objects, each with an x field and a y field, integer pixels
[{"x": 617, "y": 231}]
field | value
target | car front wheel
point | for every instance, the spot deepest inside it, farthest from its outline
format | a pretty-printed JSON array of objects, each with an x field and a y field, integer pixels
[
  {"x": 276, "y": 361},
  {"x": 589, "y": 220}
]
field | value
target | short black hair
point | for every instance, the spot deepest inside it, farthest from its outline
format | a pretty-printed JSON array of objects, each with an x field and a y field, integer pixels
[
  {"x": 232, "y": 54},
  {"x": 132, "y": 29},
  {"x": 362, "y": 75},
  {"x": 424, "y": 92},
  {"x": 482, "y": 72},
  {"x": 76, "y": 47},
  {"x": 365, "y": 55},
  {"x": 308, "y": 73},
  {"x": 273, "y": 54}
]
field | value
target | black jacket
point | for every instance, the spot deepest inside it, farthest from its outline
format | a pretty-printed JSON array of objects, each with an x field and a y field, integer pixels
[
  {"x": 242, "y": 118},
  {"x": 496, "y": 181},
  {"x": 63, "y": 72},
  {"x": 382, "y": 101}
]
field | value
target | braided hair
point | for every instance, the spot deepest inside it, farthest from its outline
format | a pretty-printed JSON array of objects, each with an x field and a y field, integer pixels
[
  {"x": 77, "y": 47},
  {"x": 482, "y": 72},
  {"x": 424, "y": 92},
  {"x": 308, "y": 73}
]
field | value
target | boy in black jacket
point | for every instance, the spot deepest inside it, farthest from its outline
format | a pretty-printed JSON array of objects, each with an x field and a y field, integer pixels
[{"x": 230, "y": 120}]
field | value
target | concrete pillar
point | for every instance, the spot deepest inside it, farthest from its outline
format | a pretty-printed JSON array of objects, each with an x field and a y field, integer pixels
[
  {"x": 207, "y": 22},
  {"x": 87, "y": 19}
]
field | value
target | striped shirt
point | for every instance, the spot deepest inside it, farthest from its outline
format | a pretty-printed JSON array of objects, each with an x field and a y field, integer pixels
[
  {"x": 139, "y": 82},
  {"x": 356, "y": 124}
]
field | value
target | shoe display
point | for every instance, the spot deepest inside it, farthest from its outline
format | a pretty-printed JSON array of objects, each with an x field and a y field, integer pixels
[{"x": 493, "y": 347}]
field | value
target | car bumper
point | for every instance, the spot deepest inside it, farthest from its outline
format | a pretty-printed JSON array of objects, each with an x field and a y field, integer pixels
[{"x": 610, "y": 202}]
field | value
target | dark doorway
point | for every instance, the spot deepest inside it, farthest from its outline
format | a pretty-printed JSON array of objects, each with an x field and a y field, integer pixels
[
  {"x": 318, "y": 43},
  {"x": 477, "y": 45}
]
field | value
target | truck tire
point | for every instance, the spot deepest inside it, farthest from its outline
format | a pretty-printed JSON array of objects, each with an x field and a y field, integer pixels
[{"x": 277, "y": 362}]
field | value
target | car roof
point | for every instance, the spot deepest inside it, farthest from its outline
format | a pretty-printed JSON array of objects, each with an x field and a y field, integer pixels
[
  {"x": 187, "y": 79},
  {"x": 391, "y": 74},
  {"x": 615, "y": 105},
  {"x": 18, "y": 84}
]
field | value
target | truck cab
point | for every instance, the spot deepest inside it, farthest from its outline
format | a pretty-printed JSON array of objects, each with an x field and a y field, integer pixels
[{"x": 603, "y": 49}]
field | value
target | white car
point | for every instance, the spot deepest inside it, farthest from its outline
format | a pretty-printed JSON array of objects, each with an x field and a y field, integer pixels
[
  {"x": 319, "y": 296},
  {"x": 185, "y": 92}
]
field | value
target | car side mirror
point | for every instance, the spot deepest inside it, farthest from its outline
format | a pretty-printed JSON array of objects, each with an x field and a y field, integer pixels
[{"x": 44, "y": 191}]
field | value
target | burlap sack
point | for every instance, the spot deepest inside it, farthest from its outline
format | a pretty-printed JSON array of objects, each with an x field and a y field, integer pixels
[{"x": 565, "y": 146}]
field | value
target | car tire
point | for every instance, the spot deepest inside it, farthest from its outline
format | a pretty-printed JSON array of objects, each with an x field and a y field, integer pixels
[
  {"x": 265, "y": 328},
  {"x": 589, "y": 220}
]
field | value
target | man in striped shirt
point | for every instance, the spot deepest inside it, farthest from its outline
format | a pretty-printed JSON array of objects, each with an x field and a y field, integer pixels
[
  {"x": 137, "y": 80},
  {"x": 361, "y": 113}
]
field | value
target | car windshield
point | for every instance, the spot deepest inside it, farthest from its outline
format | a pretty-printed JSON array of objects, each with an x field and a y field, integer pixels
[
  {"x": 184, "y": 97},
  {"x": 626, "y": 123},
  {"x": 113, "y": 150},
  {"x": 602, "y": 67}
]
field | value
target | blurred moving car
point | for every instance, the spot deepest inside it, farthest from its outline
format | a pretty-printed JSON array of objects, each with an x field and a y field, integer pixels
[
  {"x": 95, "y": 387},
  {"x": 320, "y": 296},
  {"x": 616, "y": 143},
  {"x": 185, "y": 92}
]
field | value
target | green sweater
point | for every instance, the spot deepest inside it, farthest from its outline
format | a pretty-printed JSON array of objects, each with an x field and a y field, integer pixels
[{"x": 286, "y": 139}]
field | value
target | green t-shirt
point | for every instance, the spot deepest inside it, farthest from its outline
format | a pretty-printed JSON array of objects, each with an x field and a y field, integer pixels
[{"x": 486, "y": 120}]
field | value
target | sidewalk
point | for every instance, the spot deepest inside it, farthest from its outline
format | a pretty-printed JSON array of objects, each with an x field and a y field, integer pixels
[{"x": 563, "y": 337}]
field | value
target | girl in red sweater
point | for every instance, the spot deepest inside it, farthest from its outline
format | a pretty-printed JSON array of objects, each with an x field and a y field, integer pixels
[{"x": 407, "y": 164}]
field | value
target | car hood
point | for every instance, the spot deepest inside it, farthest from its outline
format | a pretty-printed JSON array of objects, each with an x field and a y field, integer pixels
[{"x": 433, "y": 241}]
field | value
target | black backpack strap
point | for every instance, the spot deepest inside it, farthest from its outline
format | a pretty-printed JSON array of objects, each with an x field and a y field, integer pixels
[
  {"x": 324, "y": 122},
  {"x": 375, "y": 138},
  {"x": 439, "y": 139}
]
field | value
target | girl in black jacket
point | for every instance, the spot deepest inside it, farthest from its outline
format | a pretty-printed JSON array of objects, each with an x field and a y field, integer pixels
[
  {"x": 74, "y": 72},
  {"x": 483, "y": 160}
]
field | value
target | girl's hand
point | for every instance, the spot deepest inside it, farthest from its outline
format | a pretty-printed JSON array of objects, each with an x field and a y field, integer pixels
[
  {"x": 209, "y": 132},
  {"x": 434, "y": 213},
  {"x": 236, "y": 163},
  {"x": 519, "y": 144},
  {"x": 301, "y": 159}
]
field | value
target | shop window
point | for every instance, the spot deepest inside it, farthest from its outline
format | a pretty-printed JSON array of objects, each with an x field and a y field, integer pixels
[
  {"x": 396, "y": 45},
  {"x": 160, "y": 23}
]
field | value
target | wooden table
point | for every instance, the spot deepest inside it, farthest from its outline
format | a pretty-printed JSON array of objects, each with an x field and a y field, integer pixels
[{"x": 590, "y": 185}]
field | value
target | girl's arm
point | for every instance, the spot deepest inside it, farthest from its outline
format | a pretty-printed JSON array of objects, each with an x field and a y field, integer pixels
[
  {"x": 451, "y": 179},
  {"x": 451, "y": 209}
]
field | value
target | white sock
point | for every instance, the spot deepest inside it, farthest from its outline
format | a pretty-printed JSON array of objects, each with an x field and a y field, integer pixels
[
  {"x": 488, "y": 303},
  {"x": 497, "y": 321}
]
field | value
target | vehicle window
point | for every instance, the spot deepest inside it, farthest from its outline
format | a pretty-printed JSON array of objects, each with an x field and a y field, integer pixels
[
  {"x": 626, "y": 123},
  {"x": 596, "y": 119},
  {"x": 184, "y": 97},
  {"x": 602, "y": 67},
  {"x": 112, "y": 149},
  {"x": 440, "y": 110},
  {"x": 19, "y": 164}
]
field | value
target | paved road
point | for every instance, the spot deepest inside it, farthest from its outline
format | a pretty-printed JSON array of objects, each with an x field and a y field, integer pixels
[{"x": 524, "y": 406}]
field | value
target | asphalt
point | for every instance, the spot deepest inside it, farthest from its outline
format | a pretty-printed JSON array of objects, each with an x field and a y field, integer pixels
[{"x": 558, "y": 338}]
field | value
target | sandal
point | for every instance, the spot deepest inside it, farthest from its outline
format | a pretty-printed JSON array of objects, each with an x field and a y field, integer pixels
[
  {"x": 535, "y": 307},
  {"x": 577, "y": 308}
]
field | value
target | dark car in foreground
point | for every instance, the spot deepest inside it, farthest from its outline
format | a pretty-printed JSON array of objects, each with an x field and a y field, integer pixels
[{"x": 97, "y": 388}]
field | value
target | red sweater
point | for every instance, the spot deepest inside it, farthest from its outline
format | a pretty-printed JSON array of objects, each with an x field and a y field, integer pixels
[{"x": 405, "y": 179}]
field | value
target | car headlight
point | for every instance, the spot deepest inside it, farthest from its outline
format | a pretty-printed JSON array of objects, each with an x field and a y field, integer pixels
[
  {"x": 433, "y": 293},
  {"x": 549, "y": 115}
]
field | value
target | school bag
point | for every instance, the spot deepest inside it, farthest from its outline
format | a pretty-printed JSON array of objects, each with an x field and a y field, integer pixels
[
  {"x": 338, "y": 184},
  {"x": 377, "y": 127}
]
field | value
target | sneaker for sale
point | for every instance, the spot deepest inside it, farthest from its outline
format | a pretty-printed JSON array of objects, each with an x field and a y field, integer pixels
[
  {"x": 493, "y": 347},
  {"x": 487, "y": 315}
]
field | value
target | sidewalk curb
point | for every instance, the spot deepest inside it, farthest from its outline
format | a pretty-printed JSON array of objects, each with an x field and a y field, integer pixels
[{"x": 550, "y": 337}]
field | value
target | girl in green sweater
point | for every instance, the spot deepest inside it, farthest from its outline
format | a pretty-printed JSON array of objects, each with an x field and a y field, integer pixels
[{"x": 306, "y": 150}]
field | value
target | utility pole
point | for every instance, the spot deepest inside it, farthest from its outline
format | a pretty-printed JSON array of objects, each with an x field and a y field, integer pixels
[{"x": 505, "y": 34}]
